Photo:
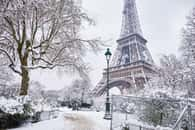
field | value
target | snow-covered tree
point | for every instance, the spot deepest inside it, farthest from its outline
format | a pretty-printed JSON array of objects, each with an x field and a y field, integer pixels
[
  {"x": 43, "y": 34},
  {"x": 188, "y": 43},
  {"x": 5, "y": 74},
  {"x": 188, "y": 52},
  {"x": 160, "y": 111},
  {"x": 51, "y": 97},
  {"x": 169, "y": 78},
  {"x": 171, "y": 72},
  {"x": 179, "y": 74},
  {"x": 42, "y": 98},
  {"x": 36, "y": 91},
  {"x": 7, "y": 89},
  {"x": 78, "y": 90},
  {"x": 170, "y": 83}
]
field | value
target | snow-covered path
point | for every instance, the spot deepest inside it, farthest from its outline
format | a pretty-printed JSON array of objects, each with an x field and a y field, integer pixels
[
  {"x": 72, "y": 120},
  {"x": 79, "y": 122}
]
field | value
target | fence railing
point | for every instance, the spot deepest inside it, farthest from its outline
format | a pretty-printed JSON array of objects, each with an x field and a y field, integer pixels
[
  {"x": 178, "y": 116},
  {"x": 180, "y": 120},
  {"x": 186, "y": 119}
]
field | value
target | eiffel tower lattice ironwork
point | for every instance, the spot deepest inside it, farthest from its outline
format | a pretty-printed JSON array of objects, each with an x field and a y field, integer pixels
[{"x": 132, "y": 64}]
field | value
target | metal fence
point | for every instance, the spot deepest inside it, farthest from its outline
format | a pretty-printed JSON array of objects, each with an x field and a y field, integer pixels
[
  {"x": 138, "y": 113},
  {"x": 186, "y": 119}
]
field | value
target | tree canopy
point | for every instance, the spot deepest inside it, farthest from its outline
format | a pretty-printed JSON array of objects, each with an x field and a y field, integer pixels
[{"x": 43, "y": 34}]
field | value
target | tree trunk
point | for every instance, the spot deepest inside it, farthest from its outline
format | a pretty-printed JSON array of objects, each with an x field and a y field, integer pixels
[
  {"x": 24, "y": 70},
  {"x": 24, "y": 82}
]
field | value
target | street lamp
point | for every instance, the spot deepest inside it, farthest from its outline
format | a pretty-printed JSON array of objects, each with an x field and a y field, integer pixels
[{"x": 107, "y": 112}]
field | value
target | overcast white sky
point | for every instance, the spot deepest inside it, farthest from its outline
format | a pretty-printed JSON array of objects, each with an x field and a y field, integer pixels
[{"x": 161, "y": 23}]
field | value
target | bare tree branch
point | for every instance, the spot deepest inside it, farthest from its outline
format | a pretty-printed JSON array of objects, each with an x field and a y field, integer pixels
[{"x": 44, "y": 34}]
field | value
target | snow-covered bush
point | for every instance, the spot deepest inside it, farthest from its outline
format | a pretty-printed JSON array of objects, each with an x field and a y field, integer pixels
[
  {"x": 14, "y": 112},
  {"x": 161, "y": 110},
  {"x": 10, "y": 105},
  {"x": 79, "y": 90},
  {"x": 12, "y": 120}
]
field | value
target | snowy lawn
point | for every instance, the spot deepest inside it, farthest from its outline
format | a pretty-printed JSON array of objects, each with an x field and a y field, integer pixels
[{"x": 72, "y": 120}]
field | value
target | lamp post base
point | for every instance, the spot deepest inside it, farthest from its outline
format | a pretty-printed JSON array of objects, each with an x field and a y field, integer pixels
[{"x": 108, "y": 115}]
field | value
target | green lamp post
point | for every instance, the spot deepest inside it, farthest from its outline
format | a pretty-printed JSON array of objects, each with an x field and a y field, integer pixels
[{"x": 108, "y": 110}]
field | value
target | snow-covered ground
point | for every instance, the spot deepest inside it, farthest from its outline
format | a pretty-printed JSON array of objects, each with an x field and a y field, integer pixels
[
  {"x": 72, "y": 120},
  {"x": 88, "y": 120}
]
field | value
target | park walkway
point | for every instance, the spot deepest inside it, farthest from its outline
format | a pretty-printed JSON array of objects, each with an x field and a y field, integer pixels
[
  {"x": 86, "y": 121},
  {"x": 72, "y": 120}
]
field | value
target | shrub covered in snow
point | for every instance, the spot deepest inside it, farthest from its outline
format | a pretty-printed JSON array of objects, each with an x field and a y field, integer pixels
[
  {"x": 159, "y": 113},
  {"x": 10, "y": 105},
  {"x": 13, "y": 112},
  {"x": 161, "y": 110},
  {"x": 12, "y": 120}
]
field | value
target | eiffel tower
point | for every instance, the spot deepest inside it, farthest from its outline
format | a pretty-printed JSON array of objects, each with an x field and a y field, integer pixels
[{"x": 132, "y": 64}]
